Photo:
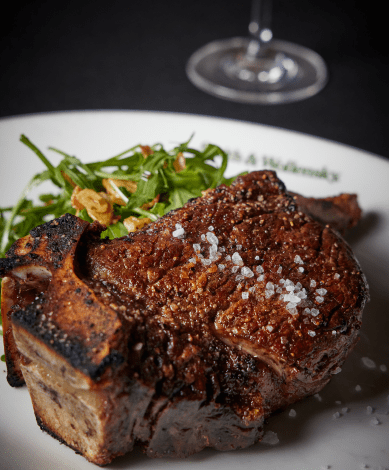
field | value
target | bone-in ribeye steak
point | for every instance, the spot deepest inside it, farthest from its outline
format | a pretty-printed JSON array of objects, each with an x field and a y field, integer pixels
[{"x": 189, "y": 333}]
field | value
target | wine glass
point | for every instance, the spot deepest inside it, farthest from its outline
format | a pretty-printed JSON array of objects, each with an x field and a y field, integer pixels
[{"x": 257, "y": 69}]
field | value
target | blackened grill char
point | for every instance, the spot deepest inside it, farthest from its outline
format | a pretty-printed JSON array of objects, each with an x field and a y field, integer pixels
[{"x": 188, "y": 333}]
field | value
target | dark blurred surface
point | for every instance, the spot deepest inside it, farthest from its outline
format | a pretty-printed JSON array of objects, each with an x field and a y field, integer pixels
[{"x": 78, "y": 55}]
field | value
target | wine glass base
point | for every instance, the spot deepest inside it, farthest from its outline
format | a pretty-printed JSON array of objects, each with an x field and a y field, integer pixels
[{"x": 217, "y": 69}]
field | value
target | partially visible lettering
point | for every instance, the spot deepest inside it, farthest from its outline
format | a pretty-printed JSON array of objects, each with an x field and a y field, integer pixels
[
  {"x": 293, "y": 167},
  {"x": 290, "y": 166}
]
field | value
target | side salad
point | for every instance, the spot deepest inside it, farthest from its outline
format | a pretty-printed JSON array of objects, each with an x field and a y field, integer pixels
[{"x": 123, "y": 192}]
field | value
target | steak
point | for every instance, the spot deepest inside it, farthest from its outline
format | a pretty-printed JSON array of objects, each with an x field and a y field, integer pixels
[{"x": 189, "y": 333}]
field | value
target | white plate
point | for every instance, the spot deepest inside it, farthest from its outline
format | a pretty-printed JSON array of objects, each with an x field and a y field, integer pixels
[{"x": 337, "y": 431}]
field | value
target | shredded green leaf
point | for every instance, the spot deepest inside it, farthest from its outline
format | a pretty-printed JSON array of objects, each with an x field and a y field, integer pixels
[{"x": 155, "y": 176}]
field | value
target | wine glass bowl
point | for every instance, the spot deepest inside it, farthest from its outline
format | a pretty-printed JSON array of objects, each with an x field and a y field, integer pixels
[{"x": 257, "y": 69}]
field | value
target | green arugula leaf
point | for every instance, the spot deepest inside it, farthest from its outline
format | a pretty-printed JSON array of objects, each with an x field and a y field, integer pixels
[
  {"x": 115, "y": 231},
  {"x": 154, "y": 175}
]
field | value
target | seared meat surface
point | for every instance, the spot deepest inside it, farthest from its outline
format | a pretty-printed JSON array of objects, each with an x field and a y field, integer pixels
[
  {"x": 340, "y": 212},
  {"x": 184, "y": 335}
]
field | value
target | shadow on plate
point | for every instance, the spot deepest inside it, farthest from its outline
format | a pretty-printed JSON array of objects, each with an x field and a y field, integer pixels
[{"x": 366, "y": 226}]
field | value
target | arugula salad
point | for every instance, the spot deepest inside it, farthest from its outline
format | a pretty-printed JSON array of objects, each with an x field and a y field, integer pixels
[{"x": 123, "y": 192}]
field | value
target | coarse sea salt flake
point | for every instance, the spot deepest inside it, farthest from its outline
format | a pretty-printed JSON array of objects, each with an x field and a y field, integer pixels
[
  {"x": 319, "y": 299},
  {"x": 292, "y": 298},
  {"x": 321, "y": 291},
  {"x": 234, "y": 269},
  {"x": 178, "y": 233},
  {"x": 237, "y": 259},
  {"x": 314, "y": 312},
  {"x": 312, "y": 333},
  {"x": 212, "y": 238},
  {"x": 239, "y": 277},
  {"x": 336, "y": 276},
  {"x": 301, "y": 269},
  {"x": 196, "y": 247},
  {"x": 213, "y": 249},
  {"x": 269, "y": 328},
  {"x": 259, "y": 269},
  {"x": 270, "y": 286},
  {"x": 221, "y": 266},
  {"x": 210, "y": 228},
  {"x": 192, "y": 260},
  {"x": 279, "y": 270},
  {"x": 246, "y": 272},
  {"x": 297, "y": 259},
  {"x": 291, "y": 308},
  {"x": 312, "y": 283},
  {"x": 245, "y": 295},
  {"x": 260, "y": 278}
]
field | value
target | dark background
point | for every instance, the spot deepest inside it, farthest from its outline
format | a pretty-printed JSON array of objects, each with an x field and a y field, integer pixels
[{"x": 76, "y": 55}]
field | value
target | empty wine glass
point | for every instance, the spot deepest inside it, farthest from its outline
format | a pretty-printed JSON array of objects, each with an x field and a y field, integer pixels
[{"x": 257, "y": 69}]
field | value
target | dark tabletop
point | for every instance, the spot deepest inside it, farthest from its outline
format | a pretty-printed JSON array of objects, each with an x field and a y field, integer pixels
[{"x": 77, "y": 55}]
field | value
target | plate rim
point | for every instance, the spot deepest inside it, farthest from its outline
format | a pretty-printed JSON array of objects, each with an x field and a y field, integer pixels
[{"x": 186, "y": 115}]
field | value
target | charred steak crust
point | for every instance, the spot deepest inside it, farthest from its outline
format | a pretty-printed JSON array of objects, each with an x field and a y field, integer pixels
[
  {"x": 191, "y": 332},
  {"x": 340, "y": 212}
]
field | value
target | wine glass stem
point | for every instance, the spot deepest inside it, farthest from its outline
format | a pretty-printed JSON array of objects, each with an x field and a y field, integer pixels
[{"x": 259, "y": 26}]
